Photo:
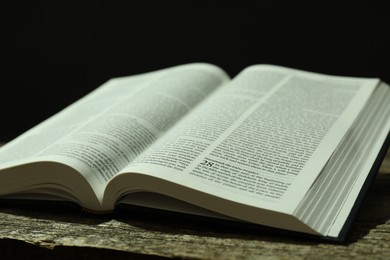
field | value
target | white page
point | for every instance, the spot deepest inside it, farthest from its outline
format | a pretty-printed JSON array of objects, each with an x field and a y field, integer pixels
[{"x": 234, "y": 108}]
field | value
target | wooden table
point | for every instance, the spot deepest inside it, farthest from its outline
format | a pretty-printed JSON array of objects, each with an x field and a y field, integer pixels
[{"x": 53, "y": 232}]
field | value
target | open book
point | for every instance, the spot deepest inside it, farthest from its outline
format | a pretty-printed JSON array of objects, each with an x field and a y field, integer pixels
[{"x": 273, "y": 146}]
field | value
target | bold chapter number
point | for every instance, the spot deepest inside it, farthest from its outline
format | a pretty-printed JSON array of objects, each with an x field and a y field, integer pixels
[{"x": 207, "y": 163}]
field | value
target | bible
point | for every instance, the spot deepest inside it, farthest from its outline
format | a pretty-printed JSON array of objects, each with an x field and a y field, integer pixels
[{"x": 272, "y": 146}]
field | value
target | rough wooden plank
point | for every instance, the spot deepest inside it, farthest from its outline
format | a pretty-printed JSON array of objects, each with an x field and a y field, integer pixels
[{"x": 47, "y": 231}]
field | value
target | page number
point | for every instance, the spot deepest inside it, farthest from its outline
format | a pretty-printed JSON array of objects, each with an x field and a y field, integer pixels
[{"x": 207, "y": 163}]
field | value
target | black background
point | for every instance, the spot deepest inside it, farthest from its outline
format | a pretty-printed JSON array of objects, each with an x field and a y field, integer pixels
[{"x": 54, "y": 52}]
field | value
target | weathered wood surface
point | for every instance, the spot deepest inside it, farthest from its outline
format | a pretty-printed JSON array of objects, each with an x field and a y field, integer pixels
[{"x": 43, "y": 232}]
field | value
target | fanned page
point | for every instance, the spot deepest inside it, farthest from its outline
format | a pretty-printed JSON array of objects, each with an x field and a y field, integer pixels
[
  {"x": 101, "y": 133},
  {"x": 330, "y": 200},
  {"x": 259, "y": 141}
]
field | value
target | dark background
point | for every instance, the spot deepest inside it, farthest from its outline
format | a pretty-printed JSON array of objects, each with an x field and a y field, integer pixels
[{"x": 54, "y": 52}]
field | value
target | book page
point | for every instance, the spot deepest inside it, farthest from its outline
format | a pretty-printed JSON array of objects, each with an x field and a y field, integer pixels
[
  {"x": 261, "y": 140},
  {"x": 104, "y": 131},
  {"x": 329, "y": 201}
]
